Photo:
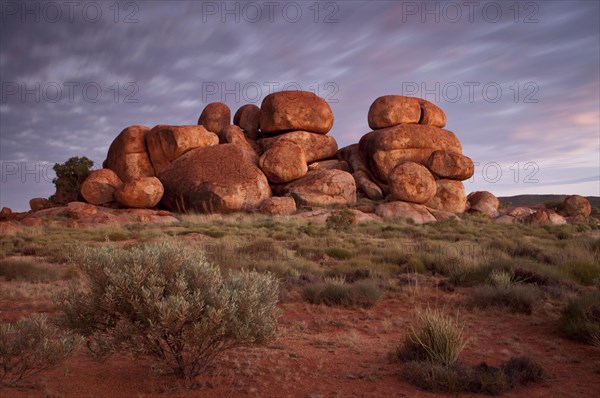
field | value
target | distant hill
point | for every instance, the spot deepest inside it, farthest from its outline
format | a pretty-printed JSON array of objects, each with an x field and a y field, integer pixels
[{"x": 532, "y": 200}]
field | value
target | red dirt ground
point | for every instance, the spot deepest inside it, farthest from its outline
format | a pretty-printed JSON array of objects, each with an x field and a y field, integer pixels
[{"x": 337, "y": 352}]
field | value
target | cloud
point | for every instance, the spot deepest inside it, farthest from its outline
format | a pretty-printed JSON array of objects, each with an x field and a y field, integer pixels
[{"x": 157, "y": 70}]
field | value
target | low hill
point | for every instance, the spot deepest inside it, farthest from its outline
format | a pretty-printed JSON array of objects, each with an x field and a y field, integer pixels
[{"x": 532, "y": 200}]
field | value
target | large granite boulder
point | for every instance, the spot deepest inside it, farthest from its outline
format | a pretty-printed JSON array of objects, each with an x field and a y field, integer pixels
[
  {"x": 144, "y": 193},
  {"x": 412, "y": 182},
  {"x": 128, "y": 154},
  {"x": 402, "y": 210},
  {"x": 283, "y": 162},
  {"x": 248, "y": 119},
  {"x": 215, "y": 117},
  {"x": 295, "y": 110},
  {"x": 577, "y": 205},
  {"x": 391, "y": 110},
  {"x": 315, "y": 146},
  {"x": 100, "y": 186},
  {"x": 449, "y": 196},
  {"x": 321, "y": 188},
  {"x": 486, "y": 203},
  {"x": 218, "y": 179},
  {"x": 450, "y": 165}
]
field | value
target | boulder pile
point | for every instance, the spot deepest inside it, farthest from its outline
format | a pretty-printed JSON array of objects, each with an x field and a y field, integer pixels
[{"x": 279, "y": 158}]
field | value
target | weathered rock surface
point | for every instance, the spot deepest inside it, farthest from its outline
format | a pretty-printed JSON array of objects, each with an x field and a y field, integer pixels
[
  {"x": 403, "y": 210},
  {"x": 247, "y": 118},
  {"x": 217, "y": 179},
  {"x": 321, "y": 188},
  {"x": 449, "y": 196},
  {"x": 36, "y": 204},
  {"x": 391, "y": 110},
  {"x": 485, "y": 203},
  {"x": 166, "y": 143},
  {"x": 278, "y": 206},
  {"x": 577, "y": 205},
  {"x": 431, "y": 114},
  {"x": 330, "y": 164},
  {"x": 295, "y": 110},
  {"x": 543, "y": 216},
  {"x": 128, "y": 154},
  {"x": 100, "y": 186},
  {"x": 144, "y": 193},
  {"x": 361, "y": 173},
  {"x": 233, "y": 134},
  {"x": 315, "y": 146},
  {"x": 5, "y": 213},
  {"x": 412, "y": 182},
  {"x": 215, "y": 117},
  {"x": 450, "y": 165},
  {"x": 283, "y": 162}
]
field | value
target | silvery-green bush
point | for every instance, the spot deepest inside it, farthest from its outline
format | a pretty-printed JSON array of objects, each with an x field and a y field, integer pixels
[
  {"x": 32, "y": 345},
  {"x": 168, "y": 302}
]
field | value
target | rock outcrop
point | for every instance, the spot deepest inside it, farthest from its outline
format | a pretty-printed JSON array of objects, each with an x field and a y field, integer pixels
[
  {"x": 295, "y": 110},
  {"x": 100, "y": 186},
  {"x": 128, "y": 154}
]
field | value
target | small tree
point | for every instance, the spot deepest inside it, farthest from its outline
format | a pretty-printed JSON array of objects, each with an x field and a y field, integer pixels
[
  {"x": 167, "y": 301},
  {"x": 69, "y": 178},
  {"x": 30, "y": 346}
]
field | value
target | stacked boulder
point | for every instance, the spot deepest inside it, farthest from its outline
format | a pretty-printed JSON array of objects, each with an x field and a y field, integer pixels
[{"x": 410, "y": 158}]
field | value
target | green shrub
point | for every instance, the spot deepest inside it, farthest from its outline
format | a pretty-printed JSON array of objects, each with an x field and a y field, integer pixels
[
  {"x": 32, "y": 345},
  {"x": 518, "y": 298},
  {"x": 580, "y": 319},
  {"x": 335, "y": 291},
  {"x": 338, "y": 253},
  {"x": 69, "y": 178},
  {"x": 167, "y": 301},
  {"x": 482, "y": 378},
  {"x": 435, "y": 337},
  {"x": 341, "y": 220}
]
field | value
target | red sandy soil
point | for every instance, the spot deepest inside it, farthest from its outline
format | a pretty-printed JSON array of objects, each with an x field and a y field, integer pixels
[{"x": 324, "y": 351}]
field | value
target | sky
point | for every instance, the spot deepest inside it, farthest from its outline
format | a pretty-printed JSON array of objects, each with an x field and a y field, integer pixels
[{"x": 519, "y": 81}]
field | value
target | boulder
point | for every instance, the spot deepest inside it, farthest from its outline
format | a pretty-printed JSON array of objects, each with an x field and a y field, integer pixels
[
  {"x": 5, "y": 213},
  {"x": 166, "y": 143},
  {"x": 295, "y": 110},
  {"x": 315, "y": 146},
  {"x": 78, "y": 210},
  {"x": 450, "y": 165},
  {"x": 330, "y": 164},
  {"x": 321, "y": 188},
  {"x": 233, "y": 134},
  {"x": 218, "y": 179},
  {"x": 485, "y": 203},
  {"x": 518, "y": 212},
  {"x": 383, "y": 162},
  {"x": 38, "y": 203},
  {"x": 441, "y": 215},
  {"x": 412, "y": 182},
  {"x": 100, "y": 186},
  {"x": 403, "y": 210},
  {"x": 555, "y": 218},
  {"x": 391, "y": 110},
  {"x": 406, "y": 136},
  {"x": 543, "y": 216},
  {"x": 431, "y": 114},
  {"x": 361, "y": 173},
  {"x": 283, "y": 162},
  {"x": 278, "y": 206},
  {"x": 128, "y": 155},
  {"x": 248, "y": 119},
  {"x": 576, "y": 205},
  {"x": 144, "y": 193},
  {"x": 215, "y": 117},
  {"x": 449, "y": 196}
]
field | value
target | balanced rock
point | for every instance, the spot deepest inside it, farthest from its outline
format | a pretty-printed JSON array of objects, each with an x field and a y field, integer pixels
[
  {"x": 315, "y": 146},
  {"x": 321, "y": 188},
  {"x": 391, "y": 110},
  {"x": 128, "y": 154},
  {"x": 38, "y": 204},
  {"x": 449, "y": 196},
  {"x": 100, "y": 186},
  {"x": 215, "y": 117},
  {"x": 486, "y": 203},
  {"x": 403, "y": 210},
  {"x": 248, "y": 119},
  {"x": 218, "y": 179},
  {"x": 144, "y": 193},
  {"x": 431, "y": 114},
  {"x": 576, "y": 205},
  {"x": 278, "y": 206},
  {"x": 166, "y": 143},
  {"x": 450, "y": 165},
  {"x": 412, "y": 182},
  {"x": 295, "y": 110},
  {"x": 283, "y": 162}
]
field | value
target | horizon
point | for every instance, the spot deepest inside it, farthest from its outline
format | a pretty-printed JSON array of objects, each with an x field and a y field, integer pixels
[{"x": 520, "y": 90}]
